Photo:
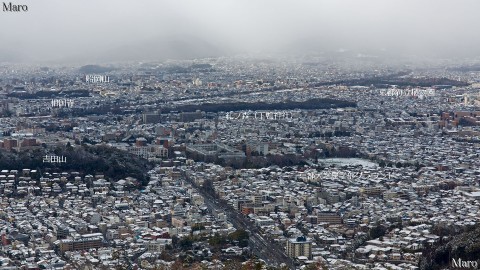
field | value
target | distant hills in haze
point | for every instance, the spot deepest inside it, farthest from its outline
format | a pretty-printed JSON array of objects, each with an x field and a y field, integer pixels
[
  {"x": 7, "y": 55},
  {"x": 160, "y": 48},
  {"x": 178, "y": 47},
  {"x": 154, "y": 49},
  {"x": 95, "y": 69}
]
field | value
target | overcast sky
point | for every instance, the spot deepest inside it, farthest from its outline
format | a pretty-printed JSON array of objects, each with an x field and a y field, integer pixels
[{"x": 60, "y": 30}]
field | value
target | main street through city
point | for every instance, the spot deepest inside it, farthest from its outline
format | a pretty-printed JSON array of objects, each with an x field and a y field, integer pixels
[{"x": 266, "y": 250}]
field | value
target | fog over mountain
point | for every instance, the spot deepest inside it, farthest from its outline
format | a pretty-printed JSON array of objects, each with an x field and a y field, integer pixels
[{"x": 115, "y": 30}]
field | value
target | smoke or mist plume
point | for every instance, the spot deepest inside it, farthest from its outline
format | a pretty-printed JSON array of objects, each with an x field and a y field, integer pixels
[{"x": 117, "y": 30}]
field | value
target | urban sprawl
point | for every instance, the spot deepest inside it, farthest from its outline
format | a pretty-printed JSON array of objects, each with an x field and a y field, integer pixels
[{"x": 235, "y": 163}]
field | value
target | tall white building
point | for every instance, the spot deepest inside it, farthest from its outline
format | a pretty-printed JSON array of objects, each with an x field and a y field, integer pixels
[{"x": 300, "y": 246}]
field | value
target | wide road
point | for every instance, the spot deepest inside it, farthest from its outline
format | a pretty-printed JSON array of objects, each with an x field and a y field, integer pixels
[{"x": 270, "y": 252}]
